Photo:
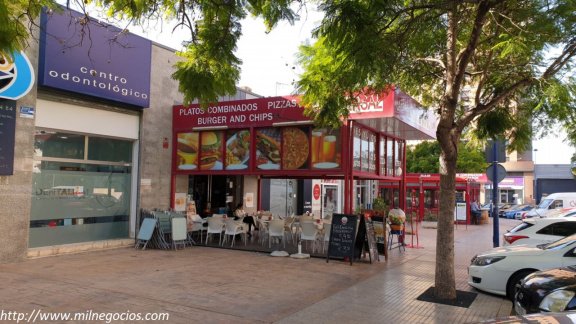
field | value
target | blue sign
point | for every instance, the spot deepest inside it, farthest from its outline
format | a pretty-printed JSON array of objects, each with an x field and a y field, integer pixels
[
  {"x": 7, "y": 133},
  {"x": 16, "y": 75},
  {"x": 90, "y": 57}
]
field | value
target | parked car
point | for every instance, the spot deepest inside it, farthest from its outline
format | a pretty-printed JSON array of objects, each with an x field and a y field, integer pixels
[
  {"x": 499, "y": 270},
  {"x": 511, "y": 213},
  {"x": 552, "y": 290},
  {"x": 552, "y": 202},
  {"x": 540, "y": 230},
  {"x": 540, "y": 318},
  {"x": 561, "y": 212},
  {"x": 502, "y": 208}
]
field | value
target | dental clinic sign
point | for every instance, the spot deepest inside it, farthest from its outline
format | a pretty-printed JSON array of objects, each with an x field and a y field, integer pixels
[{"x": 89, "y": 57}]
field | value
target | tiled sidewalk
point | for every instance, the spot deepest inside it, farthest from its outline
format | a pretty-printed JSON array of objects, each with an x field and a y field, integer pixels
[{"x": 208, "y": 285}]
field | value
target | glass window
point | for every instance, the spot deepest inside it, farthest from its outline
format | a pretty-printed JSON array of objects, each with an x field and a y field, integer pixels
[
  {"x": 382, "y": 156},
  {"x": 520, "y": 227},
  {"x": 107, "y": 149},
  {"x": 557, "y": 204},
  {"x": 429, "y": 198},
  {"x": 238, "y": 150},
  {"x": 74, "y": 202},
  {"x": 559, "y": 229},
  {"x": 398, "y": 159},
  {"x": 357, "y": 148},
  {"x": 389, "y": 157},
  {"x": 58, "y": 145},
  {"x": 372, "y": 152},
  {"x": 365, "y": 156}
]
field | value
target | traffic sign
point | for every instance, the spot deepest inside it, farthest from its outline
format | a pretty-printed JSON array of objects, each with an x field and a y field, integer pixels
[{"x": 500, "y": 173}]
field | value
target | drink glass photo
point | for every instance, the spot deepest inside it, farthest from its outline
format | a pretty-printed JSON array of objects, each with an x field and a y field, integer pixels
[
  {"x": 329, "y": 148},
  {"x": 317, "y": 146}
]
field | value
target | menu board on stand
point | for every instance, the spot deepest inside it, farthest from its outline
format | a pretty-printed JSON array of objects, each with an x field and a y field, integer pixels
[
  {"x": 371, "y": 239},
  {"x": 342, "y": 237}
]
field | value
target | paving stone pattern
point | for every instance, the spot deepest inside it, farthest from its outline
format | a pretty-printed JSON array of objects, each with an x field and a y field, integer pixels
[{"x": 211, "y": 285}]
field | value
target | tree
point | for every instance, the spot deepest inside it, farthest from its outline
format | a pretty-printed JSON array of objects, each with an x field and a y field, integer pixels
[
  {"x": 16, "y": 17},
  {"x": 424, "y": 158},
  {"x": 491, "y": 67},
  {"x": 488, "y": 67}
]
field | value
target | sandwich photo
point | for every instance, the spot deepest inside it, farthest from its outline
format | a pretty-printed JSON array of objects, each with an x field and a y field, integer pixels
[
  {"x": 210, "y": 150},
  {"x": 268, "y": 146},
  {"x": 187, "y": 148}
]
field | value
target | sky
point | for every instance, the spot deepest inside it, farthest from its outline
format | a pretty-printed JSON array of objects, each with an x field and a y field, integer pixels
[
  {"x": 269, "y": 67},
  {"x": 268, "y": 60}
]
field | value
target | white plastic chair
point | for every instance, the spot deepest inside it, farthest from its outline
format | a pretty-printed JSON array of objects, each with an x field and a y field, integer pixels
[
  {"x": 262, "y": 230},
  {"x": 327, "y": 228},
  {"x": 233, "y": 228},
  {"x": 276, "y": 229},
  {"x": 215, "y": 226},
  {"x": 195, "y": 223},
  {"x": 288, "y": 222},
  {"x": 309, "y": 232}
]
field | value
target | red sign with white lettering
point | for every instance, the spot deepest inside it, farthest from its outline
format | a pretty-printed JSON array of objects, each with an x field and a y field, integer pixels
[
  {"x": 259, "y": 112},
  {"x": 316, "y": 191},
  {"x": 372, "y": 104}
]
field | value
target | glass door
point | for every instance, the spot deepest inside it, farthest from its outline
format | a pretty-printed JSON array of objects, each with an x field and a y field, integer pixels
[{"x": 330, "y": 200}]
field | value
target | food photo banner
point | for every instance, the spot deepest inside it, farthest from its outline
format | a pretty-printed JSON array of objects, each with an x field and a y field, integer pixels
[
  {"x": 270, "y": 148},
  {"x": 259, "y": 112}
]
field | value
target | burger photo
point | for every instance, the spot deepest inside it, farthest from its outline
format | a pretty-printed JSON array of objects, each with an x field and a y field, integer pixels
[
  {"x": 187, "y": 148},
  {"x": 210, "y": 150}
]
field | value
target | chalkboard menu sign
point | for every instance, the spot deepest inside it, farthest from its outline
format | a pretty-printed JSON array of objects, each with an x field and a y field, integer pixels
[
  {"x": 7, "y": 131},
  {"x": 342, "y": 237},
  {"x": 371, "y": 240}
]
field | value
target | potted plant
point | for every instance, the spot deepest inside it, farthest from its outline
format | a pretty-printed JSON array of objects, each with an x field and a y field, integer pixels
[
  {"x": 396, "y": 217},
  {"x": 379, "y": 205}
]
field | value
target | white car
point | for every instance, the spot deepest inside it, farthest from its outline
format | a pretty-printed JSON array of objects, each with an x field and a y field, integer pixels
[
  {"x": 560, "y": 212},
  {"x": 540, "y": 230},
  {"x": 499, "y": 270}
]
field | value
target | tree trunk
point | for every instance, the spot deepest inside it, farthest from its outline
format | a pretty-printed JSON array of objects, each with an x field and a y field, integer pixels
[{"x": 445, "y": 282}]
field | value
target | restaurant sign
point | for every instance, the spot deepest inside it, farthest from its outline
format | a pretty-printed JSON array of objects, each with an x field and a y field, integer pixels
[
  {"x": 82, "y": 55},
  {"x": 240, "y": 113},
  {"x": 223, "y": 137},
  {"x": 373, "y": 104}
]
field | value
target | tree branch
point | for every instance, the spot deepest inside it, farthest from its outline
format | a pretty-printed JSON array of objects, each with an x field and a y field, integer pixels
[
  {"x": 434, "y": 60},
  {"x": 464, "y": 57}
]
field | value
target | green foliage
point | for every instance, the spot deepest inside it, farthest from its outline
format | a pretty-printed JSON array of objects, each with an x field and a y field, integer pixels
[
  {"x": 16, "y": 17},
  {"x": 209, "y": 68},
  {"x": 379, "y": 204},
  {"x": 425, "y": 157}
]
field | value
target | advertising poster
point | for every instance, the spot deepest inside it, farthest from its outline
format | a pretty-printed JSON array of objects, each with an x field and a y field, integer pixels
[{"x": 7, "y": 132}]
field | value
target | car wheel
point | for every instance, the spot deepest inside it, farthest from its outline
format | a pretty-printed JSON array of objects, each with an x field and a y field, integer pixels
[{"x": 513, "y": 281}]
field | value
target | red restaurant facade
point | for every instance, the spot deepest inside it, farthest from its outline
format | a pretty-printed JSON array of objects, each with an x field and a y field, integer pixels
[{"x": 268, "y": 155}]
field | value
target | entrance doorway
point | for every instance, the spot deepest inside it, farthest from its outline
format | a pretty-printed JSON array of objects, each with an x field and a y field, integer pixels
[
  {"x": 330, "y": 203},
  {"x": 215, "y": 194}
]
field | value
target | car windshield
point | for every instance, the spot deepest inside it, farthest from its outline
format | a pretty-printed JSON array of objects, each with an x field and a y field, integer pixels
[
  {"x": 520, "y": 227},
  {"x": 568, "y": 240},
  {"x": 545, "y": 203}
]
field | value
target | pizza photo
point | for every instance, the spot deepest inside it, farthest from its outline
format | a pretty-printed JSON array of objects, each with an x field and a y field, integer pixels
[{"x": 295, "y": 148}]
